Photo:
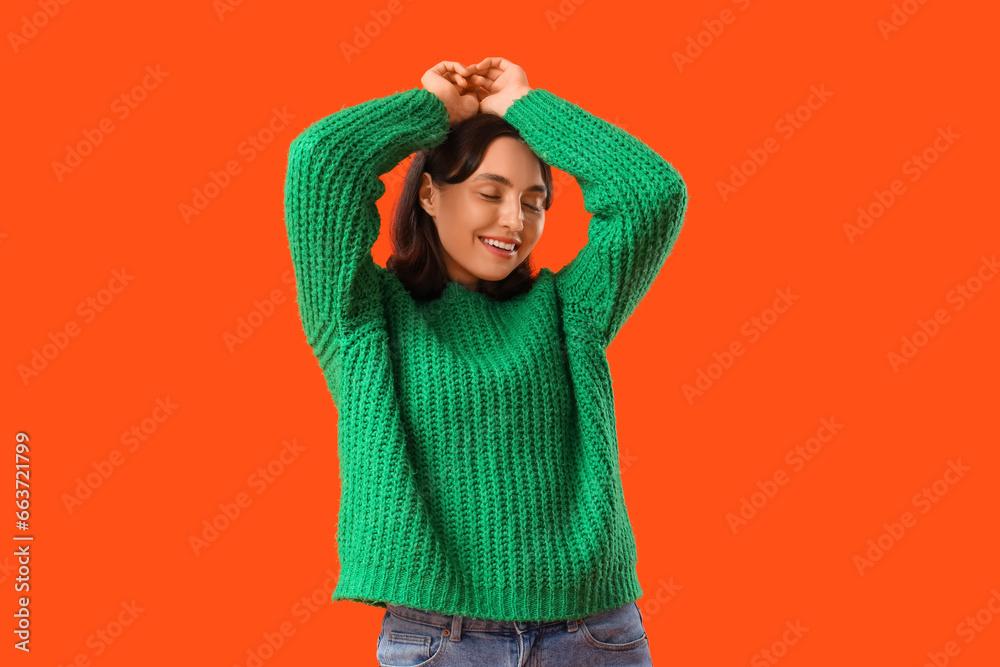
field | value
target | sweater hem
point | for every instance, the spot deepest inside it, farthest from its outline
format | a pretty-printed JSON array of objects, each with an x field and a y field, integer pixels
[{"x": 496, "y": 604}]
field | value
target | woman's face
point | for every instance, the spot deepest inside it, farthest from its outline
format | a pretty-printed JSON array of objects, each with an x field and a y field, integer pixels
[{"x": 503, "y": 199}]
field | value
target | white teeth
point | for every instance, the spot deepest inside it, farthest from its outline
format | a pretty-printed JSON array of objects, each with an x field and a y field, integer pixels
[{"x": 503, "y": 246}]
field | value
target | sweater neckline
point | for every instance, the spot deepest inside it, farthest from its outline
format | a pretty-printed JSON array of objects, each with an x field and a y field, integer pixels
[
  {"x": 455, "y": 292},
  {"x": 455, "y": 285}
]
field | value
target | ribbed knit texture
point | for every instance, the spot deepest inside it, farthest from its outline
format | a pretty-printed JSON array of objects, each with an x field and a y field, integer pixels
[{"x": 476, "y": 438}]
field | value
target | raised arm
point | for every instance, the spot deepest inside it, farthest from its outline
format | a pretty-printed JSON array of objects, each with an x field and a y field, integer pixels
[
  {"x": 636, "y": 198},
  {"x": 331, "y": 189}
]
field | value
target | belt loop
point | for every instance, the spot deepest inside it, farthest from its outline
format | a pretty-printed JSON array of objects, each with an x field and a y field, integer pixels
[
  {"x": 571, "y": 625},
  {"x": 456, "y": 628}
]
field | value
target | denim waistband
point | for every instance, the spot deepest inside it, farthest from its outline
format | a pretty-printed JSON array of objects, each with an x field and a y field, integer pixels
[{"x": 465, "y": 623}]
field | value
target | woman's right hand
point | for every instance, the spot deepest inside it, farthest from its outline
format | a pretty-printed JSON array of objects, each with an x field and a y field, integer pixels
[{"x": 448, "y": 81}]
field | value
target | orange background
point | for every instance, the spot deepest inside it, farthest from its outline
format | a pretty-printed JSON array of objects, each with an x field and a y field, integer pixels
[{"x": 712, "y": 597}]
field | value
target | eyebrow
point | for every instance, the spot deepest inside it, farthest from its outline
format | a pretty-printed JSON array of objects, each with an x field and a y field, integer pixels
[{"x": 506, "y": 181}]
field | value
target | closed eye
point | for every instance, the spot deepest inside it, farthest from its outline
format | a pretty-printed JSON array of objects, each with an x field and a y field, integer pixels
[{"x": 536, "y": 210}]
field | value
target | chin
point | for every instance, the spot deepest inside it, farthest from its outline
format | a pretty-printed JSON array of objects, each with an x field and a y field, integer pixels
[{"x": 494, "y": 277}]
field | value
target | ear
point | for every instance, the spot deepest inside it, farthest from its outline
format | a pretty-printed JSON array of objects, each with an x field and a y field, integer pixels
[{"x": 428, "y": 194}]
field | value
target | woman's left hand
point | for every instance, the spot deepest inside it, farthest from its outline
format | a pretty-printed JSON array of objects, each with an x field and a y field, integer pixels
[{"x": 497, "y": 83}]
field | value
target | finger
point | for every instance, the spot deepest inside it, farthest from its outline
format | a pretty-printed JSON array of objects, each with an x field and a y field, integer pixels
[
  {"x": 456, "y": 80},
  {"x": 479, "y": 81},
  {"x": 485, "y": 75},
  {"x": 494, "y": 63},
  {"x": 450, "y": 66},
  {"x": 489, "y": 72}
]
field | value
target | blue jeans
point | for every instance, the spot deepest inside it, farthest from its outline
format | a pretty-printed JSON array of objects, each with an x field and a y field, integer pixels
[{"x": 413, "y": 637}]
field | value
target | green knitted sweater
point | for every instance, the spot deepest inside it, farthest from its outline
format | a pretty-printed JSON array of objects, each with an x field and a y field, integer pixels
[{"x": 477, "y": 438}]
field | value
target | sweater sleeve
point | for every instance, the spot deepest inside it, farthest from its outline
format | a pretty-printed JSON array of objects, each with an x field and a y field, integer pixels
[
  {"x": 331, "y": 188},
  {"x": 636, "y": 200}
]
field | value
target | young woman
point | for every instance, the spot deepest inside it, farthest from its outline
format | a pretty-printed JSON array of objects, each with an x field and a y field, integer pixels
[{"x": 481, "y": 499}]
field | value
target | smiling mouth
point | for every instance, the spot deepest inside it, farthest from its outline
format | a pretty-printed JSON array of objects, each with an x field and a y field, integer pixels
[{"x": 500, "y": 251}]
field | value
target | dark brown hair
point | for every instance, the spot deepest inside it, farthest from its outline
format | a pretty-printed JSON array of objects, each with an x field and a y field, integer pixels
[{"x": 417, "y": 258}]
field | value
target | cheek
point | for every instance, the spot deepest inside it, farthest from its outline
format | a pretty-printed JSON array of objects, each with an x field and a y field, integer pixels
[
  {"x": 459, "y": 233},
  {"x": 536, "y": 233},
  {"x": 468, "y": 214},
  {"x": 454, "y": 220}
]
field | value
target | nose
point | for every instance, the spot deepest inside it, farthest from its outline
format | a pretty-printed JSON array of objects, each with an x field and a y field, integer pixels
[{"x": 513, "y": 218}]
